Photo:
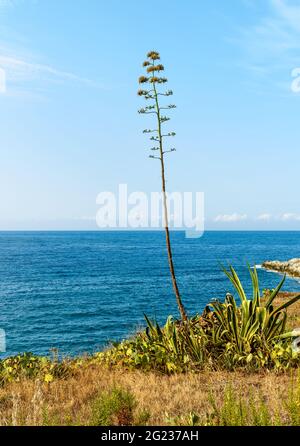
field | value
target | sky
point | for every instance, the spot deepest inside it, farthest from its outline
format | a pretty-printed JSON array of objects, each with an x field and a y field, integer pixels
[{"x": 69, "y": 127}]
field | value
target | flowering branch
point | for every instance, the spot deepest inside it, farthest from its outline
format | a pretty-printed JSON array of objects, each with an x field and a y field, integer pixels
[{"x": 153, "y": 79}]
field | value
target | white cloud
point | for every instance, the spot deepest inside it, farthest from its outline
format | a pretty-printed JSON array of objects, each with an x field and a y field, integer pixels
[
  {"x": 289, "y": 14},
  {"x": 264, "y": 217},
  {"x": 23, "y": 73},
  {"x": 2, "y": 81},
  {"x": 19, "y": 70},
  {"x": 277, "y": 32},
  {"x": 271, "y": 46},
  {"x": 289, "y": 216},
  {"x": 5, "y": 4},
  {"x": 231, "y": 218}
]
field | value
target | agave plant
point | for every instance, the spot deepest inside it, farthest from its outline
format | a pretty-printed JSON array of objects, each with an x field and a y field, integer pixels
[
  {"x": 228, "y": 334},
  {"x": 173, "y": 347},
  {"x": 254, "y": 324}
]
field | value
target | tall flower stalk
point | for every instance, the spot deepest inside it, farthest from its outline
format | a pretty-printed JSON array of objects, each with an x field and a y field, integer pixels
[{"x": 152, "y": 93}]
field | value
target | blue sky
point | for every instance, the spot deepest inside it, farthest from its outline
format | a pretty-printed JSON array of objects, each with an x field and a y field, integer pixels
[{"x": 69, "y": 126}]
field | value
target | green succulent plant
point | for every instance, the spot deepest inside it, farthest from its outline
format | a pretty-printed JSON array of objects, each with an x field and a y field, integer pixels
[
  {"x": 250, "y": 333},
  {"x": 253, "y": 326}
]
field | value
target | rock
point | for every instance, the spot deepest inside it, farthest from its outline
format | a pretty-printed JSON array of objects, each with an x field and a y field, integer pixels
[{"x": 290, "y": 267}]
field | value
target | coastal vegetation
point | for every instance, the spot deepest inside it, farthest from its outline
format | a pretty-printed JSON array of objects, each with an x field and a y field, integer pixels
[
  {"x": 232, "y": 365},
  {"x": 96, "y": 395},
  {"x": 227, "y": 335}
]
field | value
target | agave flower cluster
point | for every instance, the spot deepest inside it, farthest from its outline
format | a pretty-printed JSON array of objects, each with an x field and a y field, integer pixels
[{"x": 151, "y": 81}]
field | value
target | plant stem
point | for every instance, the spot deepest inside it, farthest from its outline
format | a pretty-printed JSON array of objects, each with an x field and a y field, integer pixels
[{"x": 168, "y": 241}]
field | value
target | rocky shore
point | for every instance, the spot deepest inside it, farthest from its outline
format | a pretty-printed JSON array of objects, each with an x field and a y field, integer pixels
[{"x": 290, "y": 267}]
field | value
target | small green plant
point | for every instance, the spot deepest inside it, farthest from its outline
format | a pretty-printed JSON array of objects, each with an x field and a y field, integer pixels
[
  {"x": 114, "y": 408},
  {"x": 260, "y": 413},
  {"x": 238, "y": 410},
  {"x": 292, "y": 402},
  {"x": 232, "y": 412},
  {"x": 30, "y": 366},
  {"x": 191, "y": 419},
  {"x": 142, "y": 418}
]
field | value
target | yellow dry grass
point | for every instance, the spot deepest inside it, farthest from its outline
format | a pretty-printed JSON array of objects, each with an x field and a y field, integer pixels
[{"x": 167, "y": 399}]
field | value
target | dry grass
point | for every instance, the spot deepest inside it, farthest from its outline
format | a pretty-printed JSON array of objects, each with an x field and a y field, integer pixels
[{"x": 166, "y": 399}]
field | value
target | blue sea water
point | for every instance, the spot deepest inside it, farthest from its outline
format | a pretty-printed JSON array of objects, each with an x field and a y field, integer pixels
[{"x": 76, "y": 291}]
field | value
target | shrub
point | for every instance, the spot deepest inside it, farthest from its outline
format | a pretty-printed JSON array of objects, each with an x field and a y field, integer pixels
[
  {"x": 27, "y": 365},
  {"x": 113, "y": 408},
  {"x": 236, "y": 410},
  {"x": 232, "y": 412}
]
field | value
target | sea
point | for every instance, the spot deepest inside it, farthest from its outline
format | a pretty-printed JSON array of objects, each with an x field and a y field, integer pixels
[{"x": 79, "y": 291}]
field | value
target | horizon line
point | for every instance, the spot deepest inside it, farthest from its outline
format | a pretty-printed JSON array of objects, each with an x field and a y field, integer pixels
[{"x": 146, "y": 230}]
